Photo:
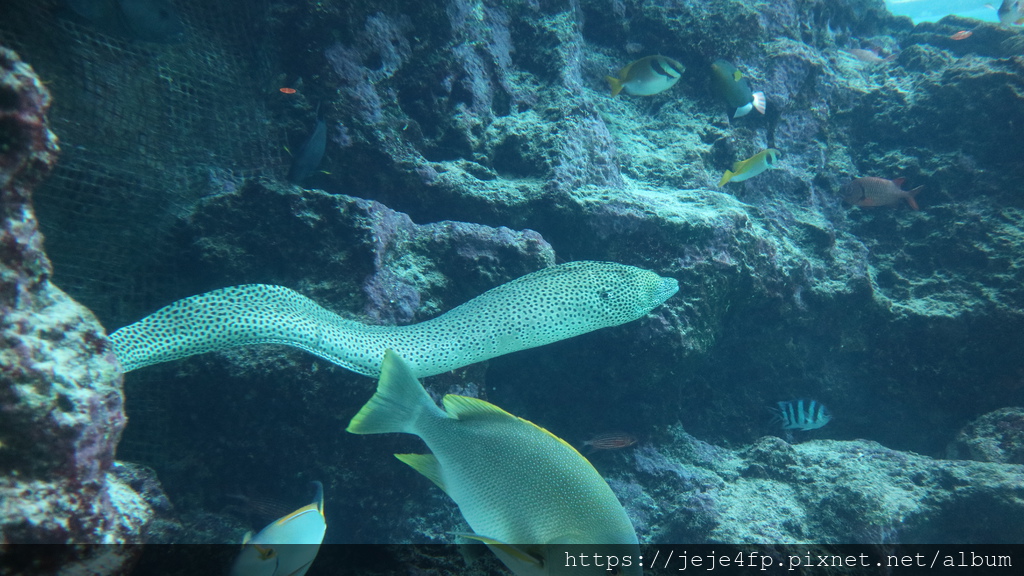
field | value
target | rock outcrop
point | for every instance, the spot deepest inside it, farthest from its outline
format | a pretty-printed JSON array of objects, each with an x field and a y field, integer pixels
[{"x": 60, "y": 385}]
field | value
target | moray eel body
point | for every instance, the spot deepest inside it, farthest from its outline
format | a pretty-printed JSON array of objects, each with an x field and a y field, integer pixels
[{"x": 539, "y": 308}]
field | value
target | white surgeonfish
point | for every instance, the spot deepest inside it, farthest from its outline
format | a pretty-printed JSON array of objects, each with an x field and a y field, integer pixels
[
  {"x": 527, "y": 494},
  {"x": 286, "y": 547}
]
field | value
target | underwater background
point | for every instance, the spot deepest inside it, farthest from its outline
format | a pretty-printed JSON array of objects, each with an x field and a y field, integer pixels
[{"x": 466, "y": 143}]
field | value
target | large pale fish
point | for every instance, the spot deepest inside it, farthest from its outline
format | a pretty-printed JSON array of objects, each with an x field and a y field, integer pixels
[
  {"x": 536, "y": 309},
  {"x": 750, "y": 167},
  {"x": 647, "y": 76},
  {"x": 1011, "y": 12},
  {"x": 732, "y": 86},
  {"x": 870, "y": 191},
  {"x": 286, "y": 547},
  {"x": 523, "y": 491}
]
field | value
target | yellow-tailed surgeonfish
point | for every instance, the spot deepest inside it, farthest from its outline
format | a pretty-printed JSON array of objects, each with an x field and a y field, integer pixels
[
  {"x": 287, "y": 546},
  {"x": 525, "y": 493},
  {"x": 733, "y": 86},
  {"x": 647, "y": 76},
  {"x": 751, "y": 167}
]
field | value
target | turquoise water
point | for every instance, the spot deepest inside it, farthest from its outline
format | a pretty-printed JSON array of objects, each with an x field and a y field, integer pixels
[{"x": 934, "y": 10}]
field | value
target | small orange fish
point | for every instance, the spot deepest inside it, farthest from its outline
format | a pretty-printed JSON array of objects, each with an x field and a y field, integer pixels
[
  {"x": 961, "y": 35},
  {"x": 610, "y": 441},
  {"x": 288, "y": 90},
  {"x": 871, "y": 191}
]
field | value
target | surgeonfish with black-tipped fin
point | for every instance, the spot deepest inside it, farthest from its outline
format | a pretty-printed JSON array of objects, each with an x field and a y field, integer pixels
[
  {"x": 732, "y": 85},
  {"x": 750, "y": 167},
  {"x": 647, "y": 76},
  {"x": 524, "y": 492},
  {"x": 286, "y": 547},
  {"x": 870, "y": 191},
  {"x": 802, "y": 415}
]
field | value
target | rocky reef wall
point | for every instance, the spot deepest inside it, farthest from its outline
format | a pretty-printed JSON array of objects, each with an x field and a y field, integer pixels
[
  {"x": 498, "y": 113},
  {"x": 474, "y": 141},
  {"x": 60, "y": 384}
]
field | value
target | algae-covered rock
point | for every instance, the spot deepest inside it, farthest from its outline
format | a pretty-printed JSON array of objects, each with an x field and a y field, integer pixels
[
  {"x": 60, "y": 385},
  {"x": 995, "y": 437},
  {"x": 821, "y": 491}
]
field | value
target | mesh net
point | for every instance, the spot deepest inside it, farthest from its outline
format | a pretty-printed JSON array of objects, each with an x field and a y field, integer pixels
[{"x": 146, "y": 129}]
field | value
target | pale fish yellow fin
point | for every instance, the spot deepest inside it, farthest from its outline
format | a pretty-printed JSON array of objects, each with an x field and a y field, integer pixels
[
  {"x": 304, "y": 510},
  {"x": 464, "y": 407},
  {"x": 246, "y": 538},
  {"x": 511, "y": 549},
  {"x": 726, "y": 177},
  {"x": 427, "y": 465},
  {"x": 615, "y": 84}
]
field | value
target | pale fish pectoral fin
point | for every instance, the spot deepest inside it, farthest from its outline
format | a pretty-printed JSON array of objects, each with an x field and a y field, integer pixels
[
  {"x": 427, "y": 465},
  {"x": 510, "y": 552}
]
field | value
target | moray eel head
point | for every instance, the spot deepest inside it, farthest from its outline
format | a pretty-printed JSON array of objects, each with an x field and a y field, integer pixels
[{"x": 632, "y": 292}]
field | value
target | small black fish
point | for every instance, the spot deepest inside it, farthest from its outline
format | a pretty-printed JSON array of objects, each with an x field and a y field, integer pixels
[{"x": 310, "y": 155}]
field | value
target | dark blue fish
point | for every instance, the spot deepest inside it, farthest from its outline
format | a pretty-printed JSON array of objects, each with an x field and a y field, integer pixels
[
  {"x": 311, "y": 153},
  {"x": 143, "y": 20},
  {"x": 803, "y": 415},
  {"x": 152, "y": 20}
]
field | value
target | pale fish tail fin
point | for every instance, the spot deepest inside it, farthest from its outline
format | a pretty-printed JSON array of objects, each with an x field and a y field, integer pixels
[
  {"x": 910, "y": 197},
  {"x": 760, "y": 102},
  {"x": 615, "y": 84},
  {"x": 726, "y": 177},
  {"x": 399, "y": 402}
]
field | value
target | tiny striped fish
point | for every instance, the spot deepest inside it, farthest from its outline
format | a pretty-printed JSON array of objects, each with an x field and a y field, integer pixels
[
  {"x": 803, "y": 415},
  {"x": 610, "y": 441}
]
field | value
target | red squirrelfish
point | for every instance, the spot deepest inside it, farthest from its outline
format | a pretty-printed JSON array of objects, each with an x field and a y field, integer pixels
[
  {"x": 610, "y": 441},
  {"x": 871, "y": 191}
]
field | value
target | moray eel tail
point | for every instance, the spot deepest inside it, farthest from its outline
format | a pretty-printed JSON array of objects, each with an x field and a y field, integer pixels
[{"x": 226, "y": 318}]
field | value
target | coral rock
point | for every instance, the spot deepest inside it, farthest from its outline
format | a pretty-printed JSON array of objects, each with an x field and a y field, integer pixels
[{"x": 60, "y": 386}]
